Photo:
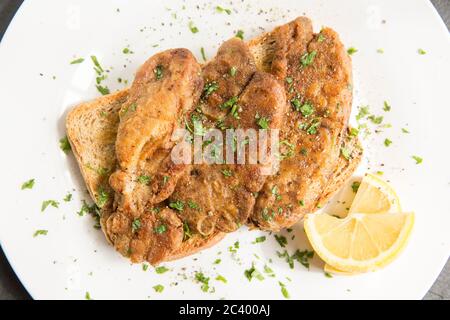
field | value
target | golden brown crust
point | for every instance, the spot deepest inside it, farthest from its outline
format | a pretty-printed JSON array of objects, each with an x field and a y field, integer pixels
[
  {"x": 317, "y": 74},
  {"x": 263, "y": 53}
]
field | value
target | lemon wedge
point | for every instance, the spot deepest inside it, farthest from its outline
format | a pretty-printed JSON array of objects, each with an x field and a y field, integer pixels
[
  {"x": 360, "y": 242},
  {"x": 375, "y": 196}
]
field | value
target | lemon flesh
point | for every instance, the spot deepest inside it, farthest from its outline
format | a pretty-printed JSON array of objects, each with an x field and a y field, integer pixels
[
  {"x": 360, "y": 242},
  {"x": 375, "y": 196}
]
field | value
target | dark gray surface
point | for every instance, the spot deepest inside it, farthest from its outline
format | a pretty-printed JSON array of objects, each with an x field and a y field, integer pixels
[{"x": 10, "y": 286}]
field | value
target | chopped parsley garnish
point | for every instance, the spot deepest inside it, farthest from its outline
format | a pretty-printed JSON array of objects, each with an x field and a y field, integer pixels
[
  {"x": 375, "y": 119},
  {"x": 221, "y": 278},
  {"x": 221, "y": 10},
  {"x": 103, "y": 90},
  {"x": 193, "y": 205},
  {"x": 40, "y": 233},
  {"x": 269, "y": 271},
  {"x": 229, "y": 103},
  {"x": 308, "y": 58},
  {"x": 200, "y": 277},
  {"x": 253, "y": 273},
  {"x": 165, "y": 179},
  {"x": 380, "y": 50},
  {"x": 159, "y": 72},
  {"x": 306, "y": 109},
  {"x": 64, "y": 144},
  {"x": 345, "y": 153},
  {"x": 208, "y": 89},
  {"x": 266, "y": 216},
  {"x": 354, "y": 132},
  {"x": 260, "y": 239},
  {"x": 320, "y": 38},
  {"x": 301, "y": 202},
  {"x": 97, "y": 67},
  {"x": 303, "y": 257},
  {"x": 102, "y": 197},
  {"x": 404, "y": 130},
  {"x": 418, "y": 159},
  {"x": 263, "y": 123},
  {"x": 197, "y": 123},
  {"x": 227, "y": 173},
  {"x": 289, "y": 259},
  {"x": 313, "y": 127},
  {"x": 290, "y": 152},
  {"x": 421, "y": 51},
  {"x": 275, "y": 193},
  {"x": 387, "y": 142},
  {"x": 284, "y": 291},
  {"x": 202, "y": 51},
  {"x": 68, "y": 197},
  {"x": 296, "y": 103},
  {"x": 85, "y": 208},
  {"x": 235, "y": 111},
  {"x": 47, "y": 203},
  {"x": 186, "y": 231},
  {"x": 282, "y": 241},
  {"x": 144, "y": 267},
  {"x": 233, "y": 71},
  {"x": 144, "y": 179},
  {"x": 99, "y": 171},
  {"x": 161, "y": 270},
  {"x": 355, "y": 186},
  {"x": 27, "y": 184},
  {"x": 177, "y": 205},
  {"x": 192, "y": 27},
  {"x": 328, "y": 275},
  {"x": 127, "y": 51},
  {"x": 386, "y": 106},
  {"x": 363, "y": 111},
  {"x": 93, "y": 209},
  {"x": 158, "y": 288},
  {"x": 352, "y": 50},
  {"x": 160, "y": 229},
  {"x": 217, "y": 261},
  {"x": 136, "y": 225},
  {"x": 87, "y": 296},
  {"x": 77, "y": 61},
  {"x": 240, "y": 34}
]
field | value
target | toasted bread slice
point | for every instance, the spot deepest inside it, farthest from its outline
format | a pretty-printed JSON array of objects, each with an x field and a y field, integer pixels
[{"x": 92, "y": 129}]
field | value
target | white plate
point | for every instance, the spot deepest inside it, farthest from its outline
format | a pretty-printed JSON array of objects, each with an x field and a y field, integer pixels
[{"x": 74, "y": 258}]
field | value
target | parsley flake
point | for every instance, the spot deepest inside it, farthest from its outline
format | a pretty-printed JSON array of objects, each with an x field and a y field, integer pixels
[
  {"x": 47, "y": 203},
  {"x": 352, "y": 50},
  {"x": 64, "y": 144},
  {"x": 192, "y": 27},
  {"x": 418, "y": 159},
  {"x": 27, "y": 184},
  {"x": 158, "y": 288},
  {"x": 40, "y": 233},
  {"x": 77, "y": 61},
  {"x": 240, "y": 34},
  {"x": 308, "y": 58}
]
